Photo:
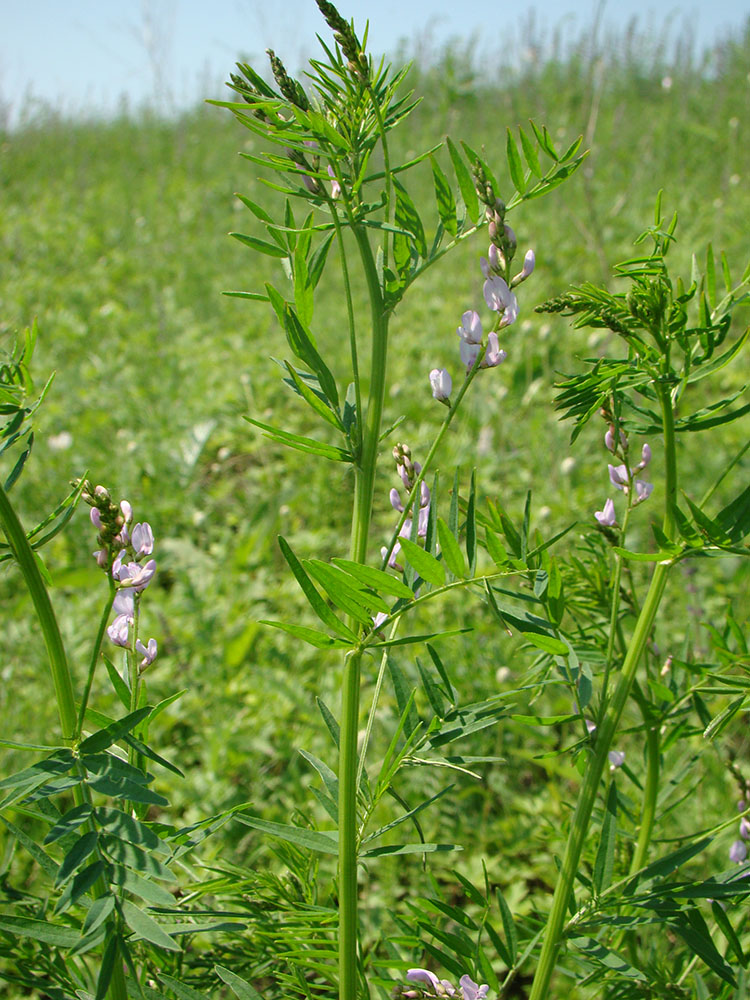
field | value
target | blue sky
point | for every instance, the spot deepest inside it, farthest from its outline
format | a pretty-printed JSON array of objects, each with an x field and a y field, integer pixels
[{"x": 82, "y": 54}]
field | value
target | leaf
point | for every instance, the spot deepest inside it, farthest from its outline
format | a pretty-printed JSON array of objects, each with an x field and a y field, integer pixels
[
  {"x": 330, "y": 780},
  {"x": 39, "y": 930},
  {"x": 57, "y": 763},
  {"x": 98, "y": 912},
  {"x": 515, "y": 165},
  {"x": 309, "y": 445},
  {"x": 404, "y": 696},
  {"x": 321, "y": 640},
  {"x": 107, "y": 967},
  {"x": 312, "y": 840},
  {"x": 144, "y": 926},
  {"x": 605, "y": 855},
  {"x": 241, "y": 989},
  {"x": 609, "y": 959},
  {"x": 444, "y": 196},
  {"x": 129, "y": 829},
  {"x": 316, "y": 602},
  {"x": 465, "y": 182},
  {"x": 389, "y": 851},
  {"x": 342, "y": 594},
  {"x": 426, "y": 565},
  {"x": 260, "y": 246},
  {"x": 72, "y": 819},
  {"x": 125, "y": 853},
  {"x": 121, "y": 688},
  {"x": 407, "y": 217},
  {"x": 75, "y": 857},
  {"x": 451, "y": 551},
  {"x": 509, "y": 927},
  {"x": 122, "y": 788},
  {"x": 375, "y": 578},
  {"x": 313, "y": 400},
  {"x": 181, "y": 990},
  {"x": 530, "y": 154},
  {"x": 734, "y": 519},
  {"x": 104, "y": 738}
]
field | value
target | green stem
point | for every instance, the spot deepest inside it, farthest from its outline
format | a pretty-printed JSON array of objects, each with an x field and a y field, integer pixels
[
  {"x": 352, "y": 327},
  {"x": 95, "y": 657},
  {"x": 362, "y": 512},
  {"x": 648, "y": 807},
  {"x": 606, "y": 730},
  {"x": 347, "y": 865}
]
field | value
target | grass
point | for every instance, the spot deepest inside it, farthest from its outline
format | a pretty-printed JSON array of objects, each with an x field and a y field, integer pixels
[{"x": 113, "y": 235}]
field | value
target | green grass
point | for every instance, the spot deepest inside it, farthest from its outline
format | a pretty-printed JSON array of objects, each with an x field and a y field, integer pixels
[{"x": 113, "y": 235}]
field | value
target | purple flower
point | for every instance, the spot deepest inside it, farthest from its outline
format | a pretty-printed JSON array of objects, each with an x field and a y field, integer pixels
[
  {"x": 441, "y": 383},
  {"x": 645, "y": 458},
  {"x": 102, "y": 558},
  {"x": 143, "y": 539},
  {"x": 606, "y": 517},
  {"x": 470, "y": 330},
  {"x": 124, "y": 604},
  {"x": 738, "y": 852},
  {"x": 96, "y": 518},
  {"x": 609, "y": 439},
  {"x": 500, "y": 299},
  {"x": 147, "y": 652},
  {"x": 529, "y": 262},
  {"x": 643, "y": 490},
  {"x": 133, "y": 575},
  {"x": 618, "y": 476},
  {"x": 616, "y": 758},
  {"x": 127, "y": 511},
  {"x": 471, "y": 990},
  {"x": 392, "y": 559},
  {"x": 441, "y": 987},
  {"x": 745, "y": 828},
  {"x": 118, "y": 631},
  {"x": 335, "y": 186}
]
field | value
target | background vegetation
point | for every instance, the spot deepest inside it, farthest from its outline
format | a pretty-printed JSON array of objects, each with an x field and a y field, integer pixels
[{"x": 113, "y": 236}]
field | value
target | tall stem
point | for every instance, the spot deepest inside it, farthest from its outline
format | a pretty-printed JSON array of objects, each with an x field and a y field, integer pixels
[
  {"x": 650, "y": 792},
  {"x": 605, "y": 732},
  {"x": 363, "y": 496}
]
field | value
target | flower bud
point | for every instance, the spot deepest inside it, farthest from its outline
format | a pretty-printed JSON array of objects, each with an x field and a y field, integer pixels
[{"x": 441, "y": 383}]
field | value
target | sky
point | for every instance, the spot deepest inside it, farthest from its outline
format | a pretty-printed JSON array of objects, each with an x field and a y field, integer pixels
[{"x": 86, "y": 55}]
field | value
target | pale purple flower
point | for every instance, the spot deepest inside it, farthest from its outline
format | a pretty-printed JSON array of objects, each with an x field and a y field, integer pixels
[
  {"x": 607, "y": 516},
  {"x": 590, "y": 726},
  {"x": 102, "y": 558},
  {"x": 147, "y": 652},
  {"x": 441, "y": 987},
  {"x": 645, "y": 458},
  {"x": 618, "y": 476},
  {"x": 471, "y": 990},
  {"x": 335, "y": 186},
  {"x": 643, "y": 490},
  {"x": 124, "y": 603},
  {"x": 123, "y": 538},
  {"x": 392, "y": 558},
  {"x": 470, "y": 330},
  {"x": 96, "y": 518},
  {"x": 609, "y": 439},
  {"x": 616, "y": 758},
  {"x": 118, "y": 631},
  {"x": 745, "y": 828},
  {"x": 529, "y": 262},
  {"x": 500, "y": 299},
  {"x": 133, "y": 575},
  {"x": 442, "y": 384},
  {"x": 494, "y": 355},
  {"x": 127, "y": 511},
  {"x": 379, "y": 618},
  {"x": 143, "y": 539},
  {"x": 738, "y": 852},
  {"x": 395, "y": 497}
]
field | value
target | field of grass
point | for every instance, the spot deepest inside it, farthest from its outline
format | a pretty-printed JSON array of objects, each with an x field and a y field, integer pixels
[{"x": 113, "y": 236}]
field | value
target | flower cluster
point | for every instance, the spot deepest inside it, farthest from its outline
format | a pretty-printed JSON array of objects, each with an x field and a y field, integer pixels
[
  {"x": 122, "y": 554},
  {"x": 498, "y": 296},
  {"x": 434, "y": 987},
  {"x": 624, "y": 478},
  {"x": 408, "y": 472},
  {"x": 738, "y": 850}
]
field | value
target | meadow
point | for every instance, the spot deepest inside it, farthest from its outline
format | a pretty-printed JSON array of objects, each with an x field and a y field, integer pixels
[{"x": 113, "y": 239}]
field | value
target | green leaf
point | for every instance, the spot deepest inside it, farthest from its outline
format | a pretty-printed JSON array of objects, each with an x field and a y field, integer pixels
[
  {"x": 321, "y": 640},
  {"x": 712, "y": 529},
  {"x": 181, "y": 990},
  {"x": 75, "y": 857},
  {"x": 309, "y": 445},
  {"x": 344, "y": 596},
  {"x": 39, "y": 930},
  {"x": 121, "y": 688},
  {"x": 364, "y": 596},
  {"x": 446, "y": 203},
  {"x": 383, "y": 582},
  {"x": 72, "y": 819},
  {"x": 313, "y": 400},
  {"x": 725, "y": 925},
  {"x": 515, "y": 164},
  {"x": 316, "y": 602},
  {"x": 129, "y": 829},
  {"x": 45, "y": 862},
  {"x": 107, "y": 967},
  {"x": 407, "y": 217},
  {"x": 150, "y": 892},
  {"x": 125, "y": 853},
  {"x": 98, "y": 912},
  {"x": 606, "y": 957},
  {"x": 313, "y": 840},
  {"x": 104, "y": 738},
  {"x": 426, "y": 565},
  {"x": 434, "y": 695},
  {"x": 509, "y": 927},
  {"x": 404, "y": 692},
  {"x": 465, "y": 182},
  {"x": 452, "y": 554},
  {"x": 388, "y": 851},
  {"x": 241, "y": 989},
  {"x": 530, "y": 153},
  {"x": 547, "y": 643},
  {"x": 145, "y": 927},
  {"x": 605, "y": 855},
  {"x": 122, "y": 788},
  {"x": 734, "y": 519},
  {"x": 471, "y": 524},
  {"x": 56, "y": 764},
  {"x": 260, "y": 246}
]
